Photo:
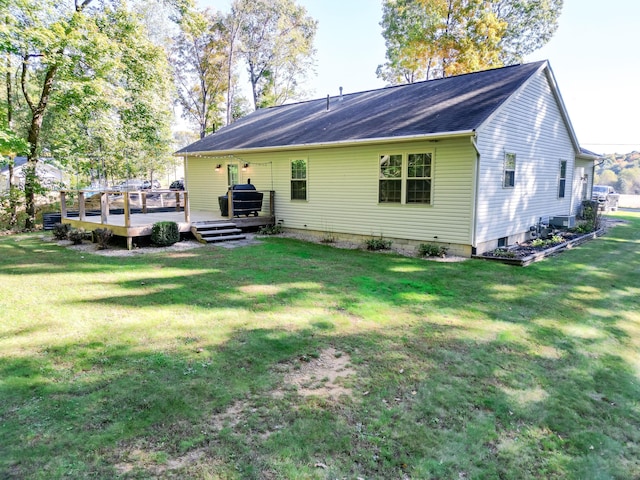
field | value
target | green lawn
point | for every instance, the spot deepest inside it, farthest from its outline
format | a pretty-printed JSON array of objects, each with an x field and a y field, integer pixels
[{"x": 180, "y": 365}]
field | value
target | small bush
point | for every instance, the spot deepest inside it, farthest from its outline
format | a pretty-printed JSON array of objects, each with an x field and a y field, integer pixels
[
  {"x": 539, "y": 242},
  {"x": 592, "y": 215},
  {"x": 583, "y": 228},
  {"x": 102, "y": 236},
  {"x": 164, "y": 234},
  {"x": 431, "y": 250},
  {"x": 589, "y": 210},
  {"x": 270, "y": 230},
  {"x": 77, "y": 236},
  {"x": 61, "y": 231},
  {"x": 378, "y": 244}
]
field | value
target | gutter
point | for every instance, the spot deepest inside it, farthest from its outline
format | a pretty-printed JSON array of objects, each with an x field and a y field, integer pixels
[{"x": 342, "y": 143}]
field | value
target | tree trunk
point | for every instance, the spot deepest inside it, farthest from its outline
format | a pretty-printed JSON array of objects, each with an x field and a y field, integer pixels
[
  {"x": 33, "y": 138},
  {"x": 9, "y": 93},
  {"x": 13, "y": 207},
  {"x": 254, "y": 85},
  {"x": 229, "y": 73}
]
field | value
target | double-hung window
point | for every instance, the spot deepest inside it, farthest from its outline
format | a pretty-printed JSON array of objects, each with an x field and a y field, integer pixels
[
  {"x": 390, "y": 184},
  {"x": 418, "y": 178},
  {"x": 509, "y": 176},
  {"x": 405, "y": 178},
  {"x": 298, "y": 179},
  {"x": 563, "y": 179}
]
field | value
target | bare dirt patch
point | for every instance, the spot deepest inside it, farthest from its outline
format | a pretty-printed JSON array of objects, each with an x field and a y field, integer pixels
[
  {"x": 324, "y": 376},
  {"x": 156, "y": 464}
]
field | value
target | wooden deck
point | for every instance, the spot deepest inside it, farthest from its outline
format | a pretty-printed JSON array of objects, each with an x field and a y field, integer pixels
[{"x": 136, "y": 212}]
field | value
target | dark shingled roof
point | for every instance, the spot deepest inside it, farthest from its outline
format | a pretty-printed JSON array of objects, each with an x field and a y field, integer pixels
[
  {"x": 584, "y": 151},
  {"x": 453, "y": 104},
  {"x": 17, "y": 162}
]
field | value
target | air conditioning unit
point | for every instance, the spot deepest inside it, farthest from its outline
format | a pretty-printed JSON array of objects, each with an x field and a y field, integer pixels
[{"x": 564, "y": 221}]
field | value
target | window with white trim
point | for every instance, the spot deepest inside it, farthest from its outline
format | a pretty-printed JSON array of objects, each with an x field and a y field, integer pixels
[
  {"x": 405, "y": 178},
  {"x": 390, "y": 184},
  {"x": 299, "y": 179},
  {"x": 509, "y": 176},
  {"x": 562, "y": 184},
  {"x": 418, "y": 178}
]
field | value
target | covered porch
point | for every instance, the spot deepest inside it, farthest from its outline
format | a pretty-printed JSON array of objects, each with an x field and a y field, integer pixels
[{"x": 131, "y": 214}]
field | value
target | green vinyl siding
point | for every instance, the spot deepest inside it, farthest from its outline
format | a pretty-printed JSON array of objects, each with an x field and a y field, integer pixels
[
  {"x": 203, "y": 183},
  {"x": 342, "y": 190}
]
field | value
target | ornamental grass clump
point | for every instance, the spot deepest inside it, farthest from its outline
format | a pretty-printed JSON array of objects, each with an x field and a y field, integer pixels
[
  {"x": 102, "y": 236},
  {"x": 164, "y": 234},
  {"x": 77, "y": 236},
  {"x": 61, "y": 231},
  {"x": 431, "y": 250},
  {"x": 375, "y": 244}
]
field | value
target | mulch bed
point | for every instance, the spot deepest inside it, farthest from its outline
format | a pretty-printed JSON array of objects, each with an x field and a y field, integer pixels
[{"x": 524, "y": 254}]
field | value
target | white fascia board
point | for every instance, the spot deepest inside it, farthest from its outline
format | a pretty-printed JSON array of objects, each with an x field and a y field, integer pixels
[
  {"x": 343, "y": 143},
  {"x": 563, "y": 109},
  {"x": 546, "y": 68}
]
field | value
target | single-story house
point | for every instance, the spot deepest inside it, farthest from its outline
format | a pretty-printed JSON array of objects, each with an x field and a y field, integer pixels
[
  {"x": 50, "y": 174},
  {"x": 471, "y": 162}
]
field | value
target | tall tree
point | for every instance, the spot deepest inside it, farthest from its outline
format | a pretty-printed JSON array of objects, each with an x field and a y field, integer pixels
[
  {"x": 276, "y": 42},
  {"x": 201, "y": 66},
  {"x": 81, "y": 53},
  {"x": 437, "y": 38}
]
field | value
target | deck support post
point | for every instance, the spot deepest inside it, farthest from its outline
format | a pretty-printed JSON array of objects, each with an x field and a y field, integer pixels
[
  {"x": 230, "y": 206},
  {"x": 187, "y": 208},
  {"x": 63, "y": 203},
  {"x": 104, "y": 207},
  {"x": 144, "y": 202},
  {"x": 272, "y": 206},
  {"x": 127, "y": 211},
  {"x": 127, "y": 219},
  {"x": 81, "y": 211}
]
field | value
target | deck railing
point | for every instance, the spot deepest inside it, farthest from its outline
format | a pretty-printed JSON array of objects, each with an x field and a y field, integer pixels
[{"x": 131, "y": 201}]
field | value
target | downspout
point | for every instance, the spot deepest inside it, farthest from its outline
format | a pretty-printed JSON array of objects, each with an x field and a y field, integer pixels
[{"x": 476, "y": 183}]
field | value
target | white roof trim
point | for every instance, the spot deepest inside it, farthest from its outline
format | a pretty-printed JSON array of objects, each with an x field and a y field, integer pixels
[
  {"x": 546, "y": 68},
  {"x": 342, "y": 143}
]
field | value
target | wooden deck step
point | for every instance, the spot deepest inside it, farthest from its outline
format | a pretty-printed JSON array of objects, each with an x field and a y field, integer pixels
[
  {"x": 202, "y": 225},
  {"x": 211, "y": 232},
  {"x": 225, "y": 238},
  {"x": 215, "y": 233}
]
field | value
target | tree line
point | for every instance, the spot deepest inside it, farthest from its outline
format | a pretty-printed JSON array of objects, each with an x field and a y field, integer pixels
[
  {"x": 620, "y": 171},
  {"x": 95, "y": 83}
]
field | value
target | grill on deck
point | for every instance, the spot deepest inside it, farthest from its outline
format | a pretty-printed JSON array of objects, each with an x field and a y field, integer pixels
[{"x": 246, "y": 200}]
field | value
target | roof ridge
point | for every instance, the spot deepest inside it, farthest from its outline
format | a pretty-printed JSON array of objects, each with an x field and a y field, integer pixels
[{"x": 389, "y": 87}]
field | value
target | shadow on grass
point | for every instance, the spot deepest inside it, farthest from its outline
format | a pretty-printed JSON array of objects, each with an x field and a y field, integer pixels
[
  {"x": 466, "y": 370},
  {"x": 425, "y": 406}
]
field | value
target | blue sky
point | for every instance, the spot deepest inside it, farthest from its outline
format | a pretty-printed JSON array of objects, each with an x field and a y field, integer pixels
[{"x": 594, "y": 55}]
